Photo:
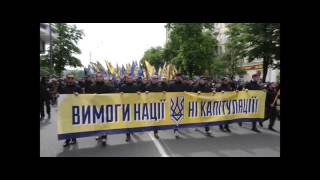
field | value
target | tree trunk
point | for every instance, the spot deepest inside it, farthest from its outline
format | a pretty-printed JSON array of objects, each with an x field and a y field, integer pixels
[{"x": 265, "y": 68}]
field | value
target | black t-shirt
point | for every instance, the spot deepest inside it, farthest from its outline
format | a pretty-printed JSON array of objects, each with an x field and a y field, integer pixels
[
  {"x": 154, "y": 87},
  {"x": 201, "y": 88},
  {"x": 129, "y": 88},
  {"x": 70, "y": 89},
  {"x": 177, "y": 87},
  {"x": 101, "y": 87},
  {"x": 253, "y": 85}
]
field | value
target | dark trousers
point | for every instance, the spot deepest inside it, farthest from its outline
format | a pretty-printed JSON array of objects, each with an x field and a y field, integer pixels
[
  {"x": 272, "y": 115},
  {"x": 225, "y": 126},
  {"x": 72, "y": 139},
  {"x": 206, "y": 128},
  {"x": 44, "y": 102},
  {"x": 254, "y": 124}
]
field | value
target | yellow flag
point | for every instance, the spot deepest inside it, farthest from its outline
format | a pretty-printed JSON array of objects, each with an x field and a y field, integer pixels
[
  {"x": 94, "y": 65},
  {"x": 151, "y": 70},
  {"x": 159, "y": 71},
  {"x": 164, "y": 71},
  {"x": 169, "y": 69},
  {"x": 110, "y": 68}
]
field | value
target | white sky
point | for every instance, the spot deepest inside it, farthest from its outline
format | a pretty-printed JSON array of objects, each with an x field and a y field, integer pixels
[{"x": 118, "y": 42}]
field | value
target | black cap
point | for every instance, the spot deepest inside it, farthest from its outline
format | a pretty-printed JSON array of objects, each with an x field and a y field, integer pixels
[
  {"x": 203, "y": 78},
  {"x": 224, "y": 78}
]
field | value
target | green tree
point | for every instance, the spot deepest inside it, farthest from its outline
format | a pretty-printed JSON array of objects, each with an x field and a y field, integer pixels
[
  {"x": 64, "y": 48},
  {"x": 190, "y": 47},
  {"x": 256, "y": 40},
  {"x": 154, "y": 57},
  {"x": 226, "y": 65}
]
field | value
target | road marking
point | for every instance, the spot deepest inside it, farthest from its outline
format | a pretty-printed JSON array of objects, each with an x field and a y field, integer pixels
[{"x": 158, "y": 145}]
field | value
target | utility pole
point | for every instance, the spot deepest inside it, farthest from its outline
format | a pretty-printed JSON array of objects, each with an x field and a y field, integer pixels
[{"x": 50, "y": 51}]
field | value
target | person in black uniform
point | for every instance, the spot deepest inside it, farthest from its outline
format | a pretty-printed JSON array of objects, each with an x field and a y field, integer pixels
[
  {"x": 270, "y": 110},
  {"x": 203, "y": 86},
  {"x": 177, "y": 86},
  {"x": 87, "y": 84},
  {"x": 44, "y": 97},
  {"x": 225, "y": 86},
  {"x": 253, "y": 85},
  {"x": 81, "y": 84},
  {"x": 154, "y": 86},
  {"x": 190, "y": 84},
  {"x": 70, "y": 88},
  {"x": 129, "y": 87},
  {"x": 164, "y": 84},
  {"x": 141, "y": 85},
  {"x": 100, "y": 87},
  {"x": 241, "y": 87}
]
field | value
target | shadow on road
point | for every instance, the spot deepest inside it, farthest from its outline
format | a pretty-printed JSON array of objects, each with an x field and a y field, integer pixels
[
  {"x": 184, "y": 146},
  {"x": 127, "y": 150}
]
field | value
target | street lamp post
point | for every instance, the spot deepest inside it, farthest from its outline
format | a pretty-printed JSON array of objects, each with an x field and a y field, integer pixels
[{"x": 50, "y": 51}]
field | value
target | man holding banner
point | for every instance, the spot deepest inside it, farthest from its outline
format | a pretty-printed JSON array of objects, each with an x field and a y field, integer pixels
[
  {"x": 100, "y": 88},
  {"x": 203, "y": 87},
  {"x": 177, "y": 86},
  {"x": 154, "y": 86},
  {"x": 253, "y": 85},
  {"x": 271, "y": 99},
  {"x": 225, "y": 87},
  {"x": 129, "y": 87},
  {"x": 70, "y": 88}
]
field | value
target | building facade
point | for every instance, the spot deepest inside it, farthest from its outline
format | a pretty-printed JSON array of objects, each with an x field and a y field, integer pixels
[{"x": 45, "y": 35}]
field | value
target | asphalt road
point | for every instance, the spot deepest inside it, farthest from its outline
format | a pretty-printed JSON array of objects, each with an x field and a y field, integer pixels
[{"x": 242, "y": 142}]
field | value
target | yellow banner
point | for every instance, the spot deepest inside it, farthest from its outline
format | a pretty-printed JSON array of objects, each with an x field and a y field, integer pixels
[{"x": 98, "y": 114}]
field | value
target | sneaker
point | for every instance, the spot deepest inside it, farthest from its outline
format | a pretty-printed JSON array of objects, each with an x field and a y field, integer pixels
[
  {"x": 104, "y": 142},
  {"x": 128, "y": 138},
  {"x": 261, "y": 124},
  {"x": 156, "y": 135},
  {"x": 66, "y": 143},
  {"x": 176, "y": 134},
  {"x": 208, "y": 133},
  {"x": 228, "y": 130},
  {"x": 271, "y": 129},
  {"x": 73, "y": 141}
]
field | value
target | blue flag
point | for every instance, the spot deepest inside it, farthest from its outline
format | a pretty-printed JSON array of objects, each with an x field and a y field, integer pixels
[
  {"x": 140, "y": 72},
  {"x": 132, "y": 68},
  {"x": 122, "y": 72}
]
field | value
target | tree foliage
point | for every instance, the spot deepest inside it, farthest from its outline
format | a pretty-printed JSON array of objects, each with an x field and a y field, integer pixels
[
  {"x": 256, "y": 40},
  {"x": 154, "y": 56},
  {"x": 190, "y": 47},
  {"x": 64, "y": 48}
]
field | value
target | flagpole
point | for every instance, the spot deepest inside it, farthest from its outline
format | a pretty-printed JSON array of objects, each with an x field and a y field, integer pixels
[{"x": 50, "y": 39}]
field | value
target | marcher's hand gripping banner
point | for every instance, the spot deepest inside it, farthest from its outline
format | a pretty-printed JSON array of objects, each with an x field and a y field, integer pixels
[{"x": 99, "y": 114}]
